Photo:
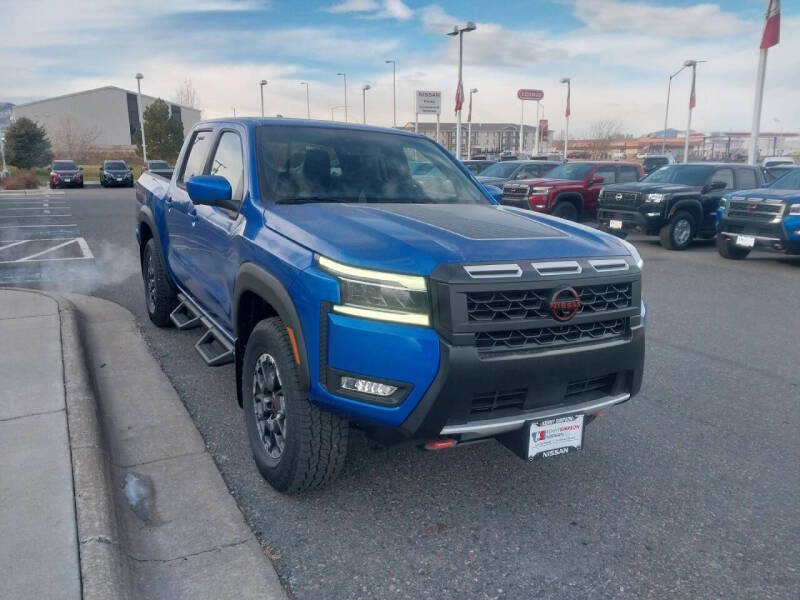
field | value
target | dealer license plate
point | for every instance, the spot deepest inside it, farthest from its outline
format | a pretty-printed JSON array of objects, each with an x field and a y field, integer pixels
[
  {"x": 615, "y": 224},
  {"x": 67, "y": 179},
  {"x": 555, "y": 436},
  {"x": 119, "y": 178},
  {"x": 746, "y": 241}
]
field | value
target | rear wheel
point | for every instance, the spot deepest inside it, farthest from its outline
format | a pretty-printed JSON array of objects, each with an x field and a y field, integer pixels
[
  {"x": 727, "y": 249},
  {"x": 679, "y": 232},
  {"x": 160, "y": 296},
  {"x": 566, "y": 210},
  {"x": 296, "y": 445}
]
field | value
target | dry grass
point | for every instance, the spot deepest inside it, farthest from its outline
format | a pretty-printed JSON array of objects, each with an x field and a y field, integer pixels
[{"x": 21, "y": 180}]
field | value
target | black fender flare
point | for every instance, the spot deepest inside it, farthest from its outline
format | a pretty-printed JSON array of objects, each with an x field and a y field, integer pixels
[
  {"x": 570, "y": 197},
  {"x": 145, "y": 216},
  {"x": 254, "y": 279},
  {"x": 693, "y": 205}
]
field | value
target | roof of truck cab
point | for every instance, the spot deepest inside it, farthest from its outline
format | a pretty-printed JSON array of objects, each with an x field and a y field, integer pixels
[{"x": 252, "y": 122}]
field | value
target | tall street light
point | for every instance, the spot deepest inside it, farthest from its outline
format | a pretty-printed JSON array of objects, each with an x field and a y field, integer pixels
[
  {"x": 139, "y": 78},
  {"x": 469, "y": 124},
  {"x": 459, "y": 31},
  {"x": 666, "y": 112},
  {"x": 308, "y": 102},
  {"x": 364, "y": 102},
  {"x": 333, "y": 108},
  {"x": 345, "y": 95},
  {"x": 568, "y": 81},
  {"x": 394, "y": 90},
  {"x": 693, "y": 64},
  {"x": 261, "y": 85}
]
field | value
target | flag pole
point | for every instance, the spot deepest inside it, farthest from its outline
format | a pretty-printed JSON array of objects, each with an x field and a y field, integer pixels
[{"x": 754, "y": 132}]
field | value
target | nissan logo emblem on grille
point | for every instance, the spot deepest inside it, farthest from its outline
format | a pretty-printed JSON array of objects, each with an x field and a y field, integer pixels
[
  {"x": 752, "y": 207},
  {"x": 564, "y": 304},
  {"x": 618, "y": 197}
]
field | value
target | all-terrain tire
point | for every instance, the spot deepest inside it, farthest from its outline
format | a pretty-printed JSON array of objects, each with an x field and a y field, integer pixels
[
  {"x": 314, "y": 440},
  {"x": 160, "y": 296},
  {"x": 727, "y": 249},
  {"x": 566, "y": 210},
  {"x": 679, "y": 232}
]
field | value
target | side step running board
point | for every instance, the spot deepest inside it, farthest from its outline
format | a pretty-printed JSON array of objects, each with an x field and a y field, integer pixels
[
  {"x": 213, "y": 346},
  {"x": 184, "y": 316}
]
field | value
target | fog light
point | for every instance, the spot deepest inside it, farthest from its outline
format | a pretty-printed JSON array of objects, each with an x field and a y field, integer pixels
[
  {"x": 540, "y": 205},
  {"x": 365, "y": 386}
]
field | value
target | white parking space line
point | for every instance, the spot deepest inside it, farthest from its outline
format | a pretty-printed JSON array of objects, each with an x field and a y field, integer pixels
[
  {"x": 51, "y": 216},
  {"x": 46, "y": 225},
  {"x": 12, "y": 244},
  {"x": 83, "y": 248}
]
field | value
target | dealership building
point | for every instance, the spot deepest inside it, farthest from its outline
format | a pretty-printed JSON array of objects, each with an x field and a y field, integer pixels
[{"x": 108, "y": 115}]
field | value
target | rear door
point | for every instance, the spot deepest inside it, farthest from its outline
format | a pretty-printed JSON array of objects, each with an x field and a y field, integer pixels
[
  {"x": 609, "y": 175},
  {"x": 711, "y": 200}
]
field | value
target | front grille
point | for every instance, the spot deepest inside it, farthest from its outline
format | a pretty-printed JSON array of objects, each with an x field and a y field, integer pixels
[
  {"x": 628, "y": 217},
  {"x": 516, "y": 191},
  {"x": 611, "y": 198},
  {"x": 518, "y": 305},
  {"x": 757, "y": 212},
  {"x": 590, "y": 388},
  {"x": 750, "y": 229},
  {"x": 543, "y": 337},
  {"x": 498, "y": 400}
]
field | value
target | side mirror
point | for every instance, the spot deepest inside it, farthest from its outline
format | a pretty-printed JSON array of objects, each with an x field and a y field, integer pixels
[
  {"x": 80, "y": 168},
  {"x": 495, "y": 192},
  {"x": 598, "y": 179},
  {"x": 766, "y": 185},
  {"x": 211, "y": 190},
  {"x": 714, "y": 186}
]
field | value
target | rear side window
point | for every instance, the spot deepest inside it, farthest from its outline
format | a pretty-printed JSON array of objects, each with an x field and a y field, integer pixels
[
  {"x": 627, "y": 174},
  {"x": 747, "y": 179},
  {"x": 229, "y": 163},
  {"x": 198, "y": 152},
  {"x": 725, "y": 175},
  {"x": 607, "y": 173}
]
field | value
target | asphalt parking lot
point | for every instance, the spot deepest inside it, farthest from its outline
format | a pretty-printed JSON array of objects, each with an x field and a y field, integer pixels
[{"x": 690, "y": 490}]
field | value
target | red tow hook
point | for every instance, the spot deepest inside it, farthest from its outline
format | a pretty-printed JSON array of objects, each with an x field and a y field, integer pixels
[{"x": 440, "y": 444}]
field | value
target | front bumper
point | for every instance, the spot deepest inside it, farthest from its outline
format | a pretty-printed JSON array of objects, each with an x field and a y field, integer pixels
[
  {"x": 632, "y": 220},
  {"x": 783, "y": 236}
]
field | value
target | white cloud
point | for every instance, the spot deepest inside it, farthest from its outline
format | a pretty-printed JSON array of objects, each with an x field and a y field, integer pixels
[
  {"x": 434, "y": 19},
  {"x": 690, "y": 21},
  {"x": 349, "y": 6},
  {"x": 395, "y": 9}
]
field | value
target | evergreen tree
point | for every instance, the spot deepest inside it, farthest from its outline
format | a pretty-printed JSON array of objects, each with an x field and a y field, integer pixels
[
  {"x": 163, "y": 134},
  {"x": 27, "y": 145}
]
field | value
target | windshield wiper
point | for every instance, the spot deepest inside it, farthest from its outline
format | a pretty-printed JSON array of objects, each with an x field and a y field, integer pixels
[{"x": 313, "y": 199}]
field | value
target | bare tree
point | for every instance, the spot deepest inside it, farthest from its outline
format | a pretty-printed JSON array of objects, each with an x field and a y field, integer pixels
[
  {"x": 186, "y": 94},
  {"x": 73, "y": 139},
  {"x": 601, "y": 135}
]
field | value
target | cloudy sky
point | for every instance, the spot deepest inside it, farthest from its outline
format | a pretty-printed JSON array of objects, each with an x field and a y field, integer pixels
[{"x": 618, "y": 53}]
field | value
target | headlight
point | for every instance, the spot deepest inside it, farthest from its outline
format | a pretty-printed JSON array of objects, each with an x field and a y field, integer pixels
[
  {"x": 380, "y": 295},
  {"x": 655, "y": 198},
  {"x": 540, "y": 190},
  {"x": 634, "y": 253},
  {"x": 794, "y": 209},
  {"x": 723, "y": 203}
]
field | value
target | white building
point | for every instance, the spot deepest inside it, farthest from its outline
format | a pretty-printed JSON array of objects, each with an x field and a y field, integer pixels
[{"x": 108, "y": 115}]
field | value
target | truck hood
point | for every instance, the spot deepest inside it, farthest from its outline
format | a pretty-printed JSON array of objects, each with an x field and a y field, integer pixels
[
  {"x": 545, "y": 182},
  {"x": 767, "y": 194},
  {"x": 644, "y": 187},
  {"x": 498, "y": 181},
  {"x": 415, "y": 238}
]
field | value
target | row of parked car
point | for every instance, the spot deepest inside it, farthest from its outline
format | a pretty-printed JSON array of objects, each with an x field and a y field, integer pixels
[
  {"x": 732, "y": 202},
  {"x": 113, "y": 173}
]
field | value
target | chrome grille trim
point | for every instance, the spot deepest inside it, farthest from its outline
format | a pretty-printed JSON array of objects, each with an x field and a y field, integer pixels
[
  {"x": 493, "y": 271},
  {"x": 556, "y": 268}
]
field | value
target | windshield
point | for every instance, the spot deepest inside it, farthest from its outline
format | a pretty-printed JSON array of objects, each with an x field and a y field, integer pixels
[
  {"x": 654, "y": 161},
  {"x": 790, "y": 181},
  {"x": 571, "y": 171},
  {"x": 323, "y": 164},
  {"x": 501, "y": 169},
  {"x": 116, "y": 165},
  {"x": 695, "y": 175},
  {"x": 159, "y": 164},
  {"x": 64, "y": 165}
]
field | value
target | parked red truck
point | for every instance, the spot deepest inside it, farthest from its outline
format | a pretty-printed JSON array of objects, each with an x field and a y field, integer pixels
[{"x": 570, "y": 191}]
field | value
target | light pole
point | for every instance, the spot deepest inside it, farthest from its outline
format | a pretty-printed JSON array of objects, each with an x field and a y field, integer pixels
[
  {"x": 345, "y": 95},
  {"x": 693, "y": 64},
  {"x": 568, "y": 81},
  {"x": 459, "y": 31},
  {"x": 308, "y": 102},
  {"x": 469, "y": 124},
  {"x": 394, "y": 90},
  {"x": 364, "y": 102},
  {"x": 666, "y": 112},
  {"x": 4, "y": 171},
  {"x": 139, "y": 78},
  {"x": 261, "y": 85},
  {"x": 333, "y": 108}
]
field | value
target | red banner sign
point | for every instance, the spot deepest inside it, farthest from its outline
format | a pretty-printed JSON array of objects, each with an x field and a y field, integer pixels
[{"x": 530, "y": 94}]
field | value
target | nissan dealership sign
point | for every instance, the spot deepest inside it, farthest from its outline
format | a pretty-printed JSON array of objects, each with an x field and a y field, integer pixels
[{"x": 530, "y": 94}]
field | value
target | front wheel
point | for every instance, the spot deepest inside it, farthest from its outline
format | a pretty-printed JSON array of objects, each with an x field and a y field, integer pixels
[
  {"x": 727, "y": 249},
  {"x": 566, "y": 210},
  {"x": 160, "y": 296},
  {"x": 679, "y": 232},
  {"x": 295, "y": 445}
]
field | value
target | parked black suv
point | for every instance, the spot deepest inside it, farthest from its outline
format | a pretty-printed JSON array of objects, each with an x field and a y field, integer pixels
[
  {"x": 116, "y": 172},
  {"x": 677, "y": 202}
]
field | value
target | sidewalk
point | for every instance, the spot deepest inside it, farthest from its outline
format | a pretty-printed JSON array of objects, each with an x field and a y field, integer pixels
[{"x": 88, "y": 406}]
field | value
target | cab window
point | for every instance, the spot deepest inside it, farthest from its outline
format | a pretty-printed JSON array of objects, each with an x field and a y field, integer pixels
[
  {"x": 607, "y": 173},
  {"x": 196, "y": 159},
  {"x": 627, "y": 174},
  {"x": 747, "y": 179},
  {"x": 228, "y": 162},
  {"x": 725, "y": 175}
]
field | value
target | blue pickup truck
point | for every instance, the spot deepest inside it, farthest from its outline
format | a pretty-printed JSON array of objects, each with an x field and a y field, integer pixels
[
  {"x": 767, "y": 218},
  {"x": 351, "y": 293}
]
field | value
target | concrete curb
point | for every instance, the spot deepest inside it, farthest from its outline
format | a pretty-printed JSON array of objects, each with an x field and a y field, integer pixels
[{"x": 104, "y": 572}]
